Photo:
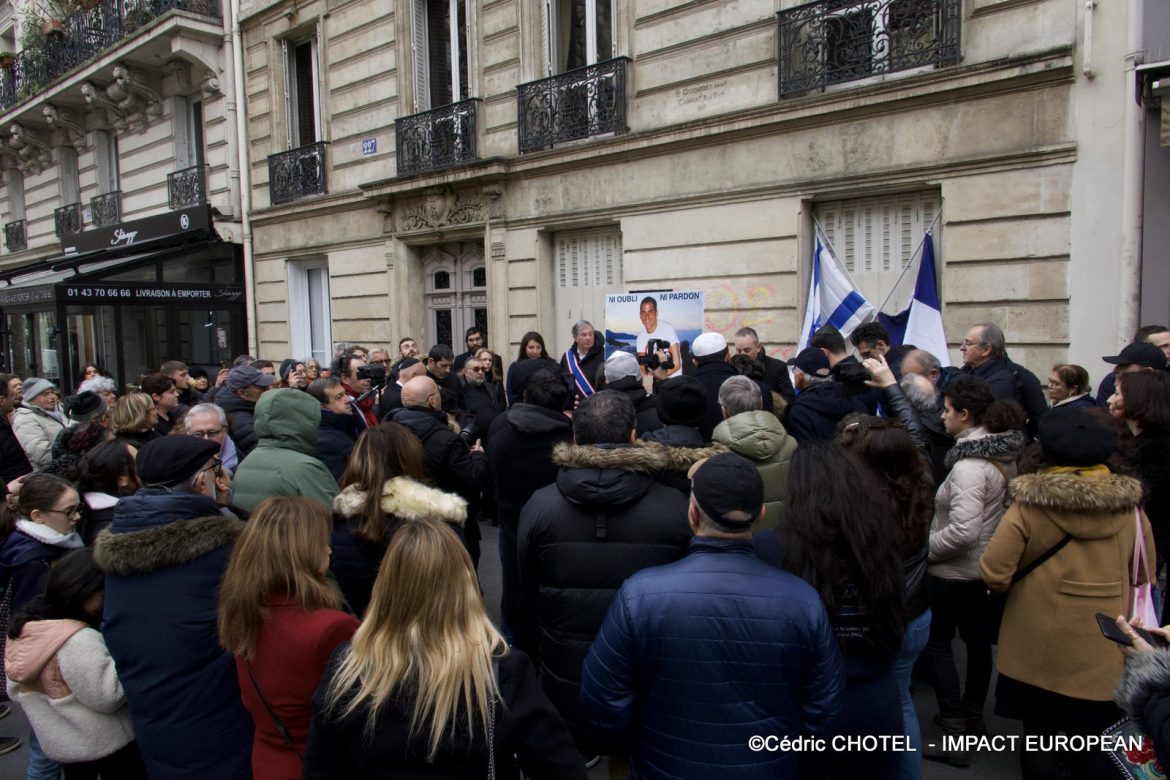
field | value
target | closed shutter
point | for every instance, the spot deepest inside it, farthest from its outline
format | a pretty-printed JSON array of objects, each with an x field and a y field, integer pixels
[
  {"x": 418, "y": 52},
  {"x": 588, "y": 268}
]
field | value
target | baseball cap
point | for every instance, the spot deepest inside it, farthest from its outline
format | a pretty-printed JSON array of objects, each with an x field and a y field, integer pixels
[
  {"x": 728, "y": 483},
  {"x": 1139, "y": 353},
  {"x": 812, "y": 362},
  {"x": 246, "y": 376},
  {"x": 708, "y": 344},
  {"x": 620, "y": 365}
]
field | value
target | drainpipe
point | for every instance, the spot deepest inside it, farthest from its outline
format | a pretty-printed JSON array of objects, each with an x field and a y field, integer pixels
[
  {"x": 1133, "y": 182},
  {"x": 245, "y": 176}
]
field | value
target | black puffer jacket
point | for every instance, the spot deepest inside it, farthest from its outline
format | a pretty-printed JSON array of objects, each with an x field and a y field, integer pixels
[
  {"x": 644, "y": 404},
  {"x": 335, "y": 439},
  {"x": 13, "y": 461},
  {"x": 816, "y": 410},
  {"x": 241, "y": 416},
  {"x": 355, "y": 558},
  {"x": 685, "y": 446},
  {"x": 446, "y": 458},
  {"x": 603, "y": 520}
]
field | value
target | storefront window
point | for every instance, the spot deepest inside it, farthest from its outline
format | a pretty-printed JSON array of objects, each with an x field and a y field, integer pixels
[
  {"x": 206, "y": 338},
  {"x": 202, "y": 268},
  {"x": 92, "y": 338},
  {"x": 32, "y": 344},
  {"x": 144, "y": 340}
]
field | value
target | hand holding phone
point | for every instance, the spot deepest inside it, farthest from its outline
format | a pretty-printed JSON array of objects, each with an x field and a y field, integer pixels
[{"x": 1113, "y": 632}]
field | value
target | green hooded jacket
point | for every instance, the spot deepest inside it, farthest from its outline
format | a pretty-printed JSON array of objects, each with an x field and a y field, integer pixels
[
  {"x": 759, "y": 437},
  {"x": 282, "y": 464}
]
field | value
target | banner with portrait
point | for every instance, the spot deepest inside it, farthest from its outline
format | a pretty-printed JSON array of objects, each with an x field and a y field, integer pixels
[{"x": 660, "y": 323}]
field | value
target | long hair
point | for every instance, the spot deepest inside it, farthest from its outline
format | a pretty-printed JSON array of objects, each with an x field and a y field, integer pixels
[
  {"x": 425, "y": 639},
  {"x": 102, "y": 467},
  {"x": 490, "y": 370},
  {"x": 39, "y": 491},
  {"x": 837, "y": 528},
  {"x": 381, "y": 453},
  {"x": 73, "y": 581},
  {"x": 1147, "y": 399},
  {"x": 131, "y": 413},
  {"x": 279, "y": 554},
  {"x": 531, "y": 336},
  {"x": 885, "y": 447}
]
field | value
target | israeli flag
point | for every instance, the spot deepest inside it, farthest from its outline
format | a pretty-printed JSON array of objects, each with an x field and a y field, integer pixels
[
  {"x": 921, "y": 324},
  {"x": 832, "y": 297}
]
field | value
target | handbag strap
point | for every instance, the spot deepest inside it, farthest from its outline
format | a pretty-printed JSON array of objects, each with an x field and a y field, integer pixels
[
  {"x": 1041, "y": 559},
  {"x": 1139, "y": 549},
  {"x": 491, "y": 733},
  {"x": 271, "y": 712}
]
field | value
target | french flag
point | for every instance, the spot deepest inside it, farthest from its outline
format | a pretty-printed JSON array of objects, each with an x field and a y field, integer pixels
[
  {"x": 833, "y": 299},
  {"x": 921, "y": 324}
]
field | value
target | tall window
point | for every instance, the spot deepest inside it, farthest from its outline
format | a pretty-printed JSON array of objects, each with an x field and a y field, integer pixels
[
  {"x": 310, "y": 319},
  {"x": 106, "y": 152},
  {"x": 877, "y": 238},
  {"x": 14, "y": 184},
  {"x": 580, "y": 33},
  {"x": 188, "y": 132},
  {"x": 302, "y": 95},
  {"x": 439, "y": 37},
  {"x": 587, "y": 266},
  {"x": 69, "y": 181}
]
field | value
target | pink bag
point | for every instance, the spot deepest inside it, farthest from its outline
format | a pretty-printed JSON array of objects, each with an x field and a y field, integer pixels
[{"x": 1142, "y": 596}]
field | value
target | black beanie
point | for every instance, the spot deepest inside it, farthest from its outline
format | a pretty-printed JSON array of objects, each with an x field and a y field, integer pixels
[
  {"x": 682, "y": 400},
  {"x": 1072, "y": 437}
]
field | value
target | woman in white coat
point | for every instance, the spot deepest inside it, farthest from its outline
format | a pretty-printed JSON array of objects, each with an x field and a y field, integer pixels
[{"x": 38, "y": 420}]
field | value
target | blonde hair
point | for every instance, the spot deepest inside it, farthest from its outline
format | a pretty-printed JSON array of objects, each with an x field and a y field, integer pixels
[
  {"x": 490, "y": 368},
  {"x": 425, "y": 636},
  {"x": 278, "y": 554},
  {"x": 131, "y": 413}
]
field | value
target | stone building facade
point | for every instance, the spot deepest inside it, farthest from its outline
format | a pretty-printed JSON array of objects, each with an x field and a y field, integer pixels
[{"x": 423, "y": 166}]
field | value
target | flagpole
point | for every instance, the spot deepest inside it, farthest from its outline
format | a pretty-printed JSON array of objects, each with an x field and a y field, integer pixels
[{"x": 917, "y": 253}]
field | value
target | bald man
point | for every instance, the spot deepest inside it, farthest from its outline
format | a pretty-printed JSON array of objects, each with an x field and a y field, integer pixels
[
  {"x": 447, "y": 460},
  {"x": 391, "y": 396}
]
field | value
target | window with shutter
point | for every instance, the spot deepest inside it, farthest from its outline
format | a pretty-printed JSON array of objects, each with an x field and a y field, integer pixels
[
  {"x": 439, "y": 37},
  {"x": 587, "y": 268}
]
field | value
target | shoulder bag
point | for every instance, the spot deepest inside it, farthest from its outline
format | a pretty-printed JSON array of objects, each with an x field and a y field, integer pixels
[{"x": 280, "y": 727}]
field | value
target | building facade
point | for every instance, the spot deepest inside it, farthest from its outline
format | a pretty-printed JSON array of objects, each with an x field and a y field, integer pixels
[
  {"x": 427, "y": 165},
  {"x": 121, "y": 201}
]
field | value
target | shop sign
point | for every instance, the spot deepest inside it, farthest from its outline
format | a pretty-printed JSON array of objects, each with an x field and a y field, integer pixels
[
  {"x": 172, "y": 227},
  {"x": 138, "y": 293},
  {"x": 26, "y": 295}
]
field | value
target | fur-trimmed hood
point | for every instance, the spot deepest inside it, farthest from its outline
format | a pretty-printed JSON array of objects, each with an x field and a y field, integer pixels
[
  {"x": 405, "y": 499},
  {"x": 978, "y": 443},
  {"x": 1145, "y": 674},
  {"x": 1086, "y": 507},
  {"x": 646, "y": 457},
  {"x": 148, "y": 550}
]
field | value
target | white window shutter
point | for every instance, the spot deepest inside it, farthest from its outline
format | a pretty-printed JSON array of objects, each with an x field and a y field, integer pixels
[{"x": 418, "y": 34}]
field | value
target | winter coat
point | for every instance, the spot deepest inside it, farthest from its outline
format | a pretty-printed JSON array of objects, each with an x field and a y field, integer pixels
[
  {"x": 712, "y": 374},
  {"x": 592, "y": 366},
  {"x": 282, "y": 464},
  {"x": 520, "y": 372},
  {"x": 662, "y": 672},
  {"x": 816, "y": 410},
  {"x": 389, "y": 399},
  {"x": 63, "y": 678},
  {"x": 97, "y": 512},
  {"x": 335, "y": 439},
  {"x": 241, "y": 416},
  {"x": 447, "y": 461},
  {"x": 529, "y": 736},
  {"x": 1049, "y": 637},
  {"x": 684, "y": 447},
  {"x": 759, "y": 437},
  {"x": 1144, "y": 694},
  {"x": 776, "y": 376},
  {"x": 36, "y": 430},
  {"x": 970, "y": 501},
  {"x": 1083, "y": 401},
  {"x": 24, "y": 563},
  {"x": 645, "y": 406},
  {"x": 1150, "y": 456},
  {"x": 519, "y": 449},
  {"x": 998, "y": 374},
  {"x": 292, "y": 653},
  {"x": 356, "y": 559},
  {"x": 485, "y": 402},
  {"x": 13, "y": 459},
  {"x": 164, "y": 557},
  {"x": 579, "y": 539}
]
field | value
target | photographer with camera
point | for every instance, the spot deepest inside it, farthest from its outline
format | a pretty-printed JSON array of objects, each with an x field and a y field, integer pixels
[
  {"x": 845, "y": 368},
  {"x": 663, "y": 336},
  {"x": 358, "y": 380}
]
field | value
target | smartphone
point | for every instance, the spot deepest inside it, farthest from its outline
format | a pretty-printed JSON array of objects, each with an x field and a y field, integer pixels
[{"x": 1111, "y": 632}]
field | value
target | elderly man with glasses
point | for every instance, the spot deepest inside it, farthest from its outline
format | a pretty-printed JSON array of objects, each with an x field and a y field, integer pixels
[
  {"x": 481, "y": 398},
  {"x": 209, "y": 421}
]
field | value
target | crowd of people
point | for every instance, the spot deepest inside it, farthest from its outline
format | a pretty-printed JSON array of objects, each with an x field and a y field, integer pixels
[{"x": 272, "y": 572}]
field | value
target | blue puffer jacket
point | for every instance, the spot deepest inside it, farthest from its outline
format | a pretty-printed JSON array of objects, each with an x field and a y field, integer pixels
[
  {"x": 699, "y": 655},
  {"x": 164, "y": 556}
]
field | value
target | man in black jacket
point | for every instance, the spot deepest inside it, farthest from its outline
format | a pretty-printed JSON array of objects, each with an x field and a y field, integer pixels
[
  {"x": 390, "y": 398},
  {"x": 623, "y": 374},
  {"x": 519, "y": 448},
  {"x": 439, "y": 362},
  {"x": 820, "y": 402},
  {"x": 604, "y": 519},
  {"x": 710, "y": 357},
  {"x": 448, "y": 462},
  {"x": 481, "y": 399},
  {"x": 985, "y": 355},
  {"x": 747, "y": 342}
]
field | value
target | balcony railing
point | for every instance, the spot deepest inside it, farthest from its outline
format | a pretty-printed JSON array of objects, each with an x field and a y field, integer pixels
[
  {"x": 832, "y": 41},
  {"x": 577, "y": 104},
  {"x": 15, "y": 235},
  {"x": 297, "y": 173},
  {"x": 106, "y": 210},
  {"x": 436, "y": 138},
  {"x": 67, "y": 220},
  {"x": 187, "y": 187},
  {"x": 86, "y": 32}
]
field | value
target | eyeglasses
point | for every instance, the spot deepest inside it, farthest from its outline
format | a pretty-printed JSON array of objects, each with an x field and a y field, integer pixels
[
  {"x": 1053, "y": 384},
  {"x": 216, "y": 466},
  {"x": 385, "y": 362},
  {"x": 73, "y": 511},
  {"x": 475, "y": 370},
  {"x": 210, "y": 434},
  {"x": 967, "y": 343}
]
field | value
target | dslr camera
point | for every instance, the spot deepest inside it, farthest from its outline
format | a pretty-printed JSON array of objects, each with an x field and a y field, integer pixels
[
  {"x": 853, "y": 376},
  {"x": 651, "y": 360},
  {"x": 376, "y": 375}
]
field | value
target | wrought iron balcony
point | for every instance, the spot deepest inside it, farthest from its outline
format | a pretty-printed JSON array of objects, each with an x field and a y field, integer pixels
[
  {"x": 437, "y": 138},
  {"x": 576, "y": 104},
  {"x": 85, "y": 33},
  {"x": 15, "y": 235},
  {"x": 831, "y": 41},
  {"x": 297, "y": 173},
  {"x": 187, "y": 187},
  {"x": 67, "y": 220},
  {"x": 106, "y": 209}
]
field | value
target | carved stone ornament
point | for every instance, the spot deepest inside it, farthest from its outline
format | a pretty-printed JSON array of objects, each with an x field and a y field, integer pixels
[
  {"x": 62, "y": 120},
  {"x": 32, "y": 152},
  {"x": 112, "y": 117},
  {"x": 443, "y": 207},
  {"x": 209, "y": 85},
  {"x": 134, "y": 97}
]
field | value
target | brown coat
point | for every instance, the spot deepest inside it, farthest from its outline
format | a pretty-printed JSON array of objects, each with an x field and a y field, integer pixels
[{"x": 1049, "y": 637}]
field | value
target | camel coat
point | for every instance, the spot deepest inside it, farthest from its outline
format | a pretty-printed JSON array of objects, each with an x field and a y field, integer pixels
[{"x": 1049, "y": 637}]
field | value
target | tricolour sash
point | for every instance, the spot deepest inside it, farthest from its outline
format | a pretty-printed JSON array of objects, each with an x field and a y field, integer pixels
[{"x": 583, "y": 385}]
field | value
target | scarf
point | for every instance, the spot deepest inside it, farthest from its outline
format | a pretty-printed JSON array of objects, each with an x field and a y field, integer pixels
[
  {"x": 1099, "y": 470},
  {"x": 45, "y": 535}
]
